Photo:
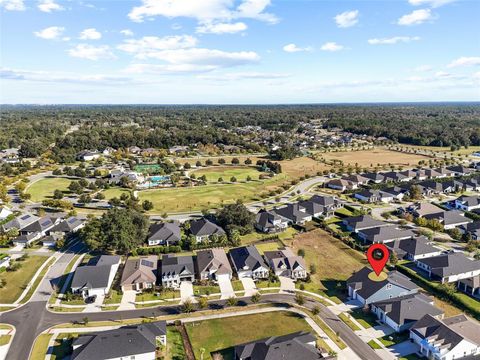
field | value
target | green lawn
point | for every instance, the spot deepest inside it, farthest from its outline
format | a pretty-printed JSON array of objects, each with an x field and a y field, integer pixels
[
  {"x": 114, "y": 192},
  {"x": 205, "y": 289},
  {"x": 164, "y": 295},
  {"x": 37, "y": 281},
  {"x": 18, "y": 280},
  {"x": 226, "y": 172},
  {"x": 5, "y": 339},
  {"x": 346, "y": 319},
  {"x": 175, "y": 349},
  {"x": 374, "y": 345},
  {"x": 267, "y": 284},
  {"x": 268, "y": 246},
  {"x": 237, "y": 285},
  {"x": 44, "y": 188},
  {"x": 114, "y": 298},
  {"x": 395, "y": 338},
  {"x": 40, "y": 347},
  {"x": 222, "y": 334},
  {"x": 367, "y": 320}
]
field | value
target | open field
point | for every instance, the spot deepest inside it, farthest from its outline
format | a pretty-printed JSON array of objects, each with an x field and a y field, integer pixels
[
  {"x": 226, "y": 172},
  {"x": 44, "y": 188},
  {"x": 222, "y": 334},
  {"x": 446, "y": 149},
  {"x": 114, "y": 192},
  {"x": 373, "y": 157},
  {"x": 18, "y": 280},
  {"x": 334, "y": 261},
  {"x": 302, "y": 166}
]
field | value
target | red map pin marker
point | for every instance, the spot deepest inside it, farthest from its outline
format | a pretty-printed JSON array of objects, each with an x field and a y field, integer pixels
[{"x": 377, "y": 256}]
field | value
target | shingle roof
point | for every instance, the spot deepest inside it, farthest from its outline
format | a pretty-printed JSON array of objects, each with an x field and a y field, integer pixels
[
  {"x": 293, "y": 212},
  {"x": 374, "y": 176},
  {"x": 20, "y": 221},
  {"x": 95, "y": 274},
  {"x": 419, "y": 245},
  {"x": 140, "y": 270},
  {"x": 40, "y": 225},
  {"x": 67, "y": 225},
  {"x": 451, "y": 217},
  {"x": 204, "y": 227},
  {"x": 175, "y": 265},
  {"x": 213, "y": 260},
  {"x": 246, "y": 258},
  {"x": 451, "y": 264},
  {"x": 364, "y": 222},
  {"x": 165, "y": 232},
  {"x": 385, "y": 233},
  {"x": 285, "y": 257},
  {"x": 266, "y": 218}
]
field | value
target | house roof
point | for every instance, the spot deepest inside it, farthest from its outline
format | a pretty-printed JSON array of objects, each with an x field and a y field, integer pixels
[
  {"x": 356, "y": 178},
  {"x": 418, "y": 245},
  {"x": 266, "y": 218},
  {"x": 292, "y": 212},
  {"x": 96, "y": 273},
  {"x": 327, "y": 201},
  {"x": 204, "y": 227},
  {"x": 374, "y": 176},
  {"x": 450, "y": 264},
  {"x": 460, "y": 169},
  {"x": 165, "y": 232},
  {"x": 123, "y": 342},
  {"x": 68, "y": 225},
  {"x": 452, "y": 217},
  {"x": 385, "y": 233},
  {"x": 285, "y": 258},
  {"x": 172, "y": 265},
  {"x": 140, "y": 270},
  {"x": 39, "y": 225},
  {"x": 425, "y": 208},
  {"x": 311, "y": 207},
  {"x": 246, "y": 258},
  {"x": 394, "y": 175},
  {"x": 364, "y": 222},
  {"x": 20, "y": 221},
  {"x": 340, "y": 182},
  {"x": 214, "y": 261},
  {"x": 469, "y": 200},
  {"x": 295, "y": 346}
]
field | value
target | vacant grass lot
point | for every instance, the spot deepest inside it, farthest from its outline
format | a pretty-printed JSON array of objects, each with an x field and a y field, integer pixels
[
  {"x": 220, "y": 335},
  {"x": 18, "y": 280},
  {"x": 334, "y": 261},
  {"x": 226, "y": 172},
  {"x": 44, "y": 188}
]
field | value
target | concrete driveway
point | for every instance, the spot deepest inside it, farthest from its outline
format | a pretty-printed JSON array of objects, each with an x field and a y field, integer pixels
[
  {"x": 249, "y": 286},
  {"x": 225, "y": 287},
  {"x": 96, "y": 306},
  {"x": 287, "y": 285},
  {"x": 374, "y": 332},
  {"x": 404, "y": 348},
  {"x": 186, "y": 292},
  {"x": 128, "y": 300}
]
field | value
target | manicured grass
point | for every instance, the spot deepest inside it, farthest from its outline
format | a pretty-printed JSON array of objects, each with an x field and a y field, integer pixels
[
  {"x": 114, "y": 192},
  {"x": 18, "y": 280},
  {"x": 40, "y": 347},
  {"x": 346, "y": 319},
  {"x": 205, "y": 290},
  {"x": 164, "y": 295},
  {"x": 5, "y": 339},
  {"x": 254, "y": 237},
  {"x": 63, "y": 309},
  {"x": 226, "y": 172},
  {"x": 372, "y": 343},
  {"x": 330, "y": 333},
  {"x": 44, "y": 188},
  {"x": 395, "y": 338},
  {"x": 37, "y": 282},
  {"x": 175, "y": 349},
  {"x": 114, "y": 298},
  {"x": 268, "y": 246},
  {"x": 237, "y": 285},
  {"x": 367, "y": 320},
  {"x": 267, "y": 284},
  {"x": 449, "y": 309},
  {"x": 222, "y": 334}
]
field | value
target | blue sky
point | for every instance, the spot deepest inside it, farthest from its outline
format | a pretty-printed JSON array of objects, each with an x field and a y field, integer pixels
[{"x": 238, "y": 51}]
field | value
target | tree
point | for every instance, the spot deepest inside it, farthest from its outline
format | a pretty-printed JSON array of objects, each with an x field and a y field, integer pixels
[
  {"x": 58, "y": 194},
  {"x": 236, "y": 216},
  {"x": 393, "y": 258},
  {"x": 75, "y": 187},
  {"x": 84, "y": 199},
  {"x": 147, "y": 205},
  {"x": 233, "y": 179},
  {"x": 220, "y": 179},
  {"x": 249, "y": 178},
  {"x": 415, "y": 192},
  {"x": 221, "y": 161},
  {"x": 232, "y": 301},
  {"x": 248, "y": 161},
  {"x": 301, "y": 252},
  {"x": 316, "y": 310},
  {"x": 202, "y": 303},
  {"x": 235, "y": 161},
  {"x": 256, "y": 297},
  {"x": 299, "y": 299}
]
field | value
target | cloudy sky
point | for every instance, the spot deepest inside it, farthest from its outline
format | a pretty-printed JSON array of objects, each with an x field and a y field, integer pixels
[{"x": 238, "y": 51}]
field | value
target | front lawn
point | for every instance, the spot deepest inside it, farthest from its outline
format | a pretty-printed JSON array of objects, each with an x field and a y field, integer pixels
[
  {"x": 346, "y": 319},
  {"x": 395, "y": 338},
  {"x": 367, "y": 320},
  {"x": 175, "y": 349},
  {"x": 205, "y": 289},
  {"x": 237, "y": 285},
  {"x": 114, "y": 297},
  {"x": 163, "y": 295},
  {"x": 267, "y": 284},
  {"x": 373, "y": 344}
]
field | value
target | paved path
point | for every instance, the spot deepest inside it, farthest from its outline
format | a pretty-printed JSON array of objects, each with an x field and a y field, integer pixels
[
  {"x": 128, "y": 300},
  {"x": 249, "y": 286},
  {"x": 226, "y": 288},
  {"x": 186, "y": 292}
]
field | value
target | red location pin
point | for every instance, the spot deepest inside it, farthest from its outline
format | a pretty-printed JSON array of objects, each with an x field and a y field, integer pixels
[{"x": 377, "y": 256}]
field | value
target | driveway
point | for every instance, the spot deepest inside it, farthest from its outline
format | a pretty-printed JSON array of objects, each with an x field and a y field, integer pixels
[
  {"x": 404, "y": 348},
  {"x": 287, "y": 285},
  {"x": 96, "y": 306},
  {"x": 186, "y": 291},
  {"x": 249, "y": 286},
  {"x": 128, "y": 300},
  {"x": 374, "y": 332},
  {"x": 225, "y": 287}
]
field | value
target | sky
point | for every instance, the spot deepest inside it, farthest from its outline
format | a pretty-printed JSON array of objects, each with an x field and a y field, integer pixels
[{"x": 238, "y": 51}]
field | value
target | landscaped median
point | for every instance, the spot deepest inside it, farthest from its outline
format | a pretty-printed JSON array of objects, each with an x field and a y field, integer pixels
[{"x": 346, "y": 319}]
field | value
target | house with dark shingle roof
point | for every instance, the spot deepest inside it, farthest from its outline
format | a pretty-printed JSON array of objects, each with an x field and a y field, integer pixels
[
  {"x": 467, "y": 203},
  {"x": 40, "y": 226},
  {"x": 248, "y": 262},
  {"x": 455, "y": 337},
  {"x": 450, "y": 219},
  {"x": 356, "y": 179},
  {"x": 139, "y": 273},
  {"x": 127, "y": 342},
  {"x": 329, "y": 204},
  {"x": 341, "y": 184},
  {"x": 472, "y": 228},
  {"x": 470, "y": 286},
  {"x": 373, "y": 196},
  {"x": 374, "y": 177},
  {"x": 270, "y": 222},
  {"x": 449, "y": 267},
  {"x": 460, "y": 170},
  {"x": 400, "y": 313},
  {"x": 367, "y": 291},
  {"x": 203, "y": 229},
  {"x": 295, "y": 213},
  {"x": 212, "y": 264},
  {"x": 167, "y": 233},
  {"x": 395, "y": 176},
  {"x": 415, "y": 248},
  {"x": 285, "y": 263},
  {"x": 384, "y": 234},
  {"x": 362, "y": 222},
  {"x": 64, "y": 227},
  {"x": 175, "y": 269},
  {"x": 20, "y": 222}
]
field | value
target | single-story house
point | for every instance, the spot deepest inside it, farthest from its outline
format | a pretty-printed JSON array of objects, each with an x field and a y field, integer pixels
[
  {"x": 384, "y": 234},
  {"x": 20, "y": 222},
  {"x": 396, "y": 192},
  {"x": 87, "y": 155},
  {"x": 40, "y": 226},
  {"x": 294, "y": 213},
  {"x": 167, "y": 233},
  {"x": 64, "y": 227},
  {"x": 285, "y": 263},
  {"x": 423, "y": 208},
  {"x": 357, "y": 179},
  {"x": 203, "y": 229},
  {"x": 450, "y": 219},
  {"x": 374, "y": 177},
  {"x": 373, "y": 196},
  {"x": 460, "y": 170},
  {"x": 175, "y": 269},
  {"x": 400, "y": 313},
  {"x": 341, "y": 184},
  {"x": 395, "y": 176},
  {"x": 362, "y": 222},
  {"x": 470, "y": 286},
  {"x": 451, "y": 338},
  {"x": 367, "y": 291},
  {"x": 128, "y": 342},
  {"x": 467, "y": 203},
  {"x": 409, "y": 174},
  {"x": 96, "y": 277},
  {"x": 415, "y": 248},
  {"x": 139, "y": 273},
  {"x": 212, "y": 264},
  {"x": 248, "y": 262},
  {"x": 270, "y": 222},
  {"x": 449, "y": 267},
  {"x": 472, "y": 228},
  {"x": 26, "y": 239}
]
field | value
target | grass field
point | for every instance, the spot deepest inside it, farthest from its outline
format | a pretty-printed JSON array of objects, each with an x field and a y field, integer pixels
[
  {"x": 175, "y": 349},
  {"x": 257, "y": 236},
  {"x": 18, "y": 280},
  {"x": 220, "y": 335},
  {"x": 114, "y": 192},
  {"x": 334, "y": 261},
  {"x": 226, "y": 172},
  {"x": 44, "y": 188},
  {"x": 462, "y": 151}
]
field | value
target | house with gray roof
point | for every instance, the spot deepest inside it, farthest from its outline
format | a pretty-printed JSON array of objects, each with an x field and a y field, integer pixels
[
  {"x": 64, "y": 227},
  {"x": 26, "y": 239},
  {"x": 415, "y": 248},
  {"x": 397, "y": 192},
  {"x": 139, "y": 273},
  {"x": 456, "y": 337},
  {"x": 20, "y": 222},
  {"x": 295, "y": 346},
  {"x": 356, "y": 179},
  {"x": 450, "y": 219},
  {"x": 467, "y": 203},
  {"x": 373, "y": 196},
  {"x": 167, "y": 233},
  {"x": 212, "y": 264},
  {"x": 128, "y": 342},
  {"x": 175, "y": 269},
  {"x": 362, "y": 222},
  {"x": 270, "y": 222},
  {"x": 40, "y": 226},
  {"x": 203, "y": 229},
  {"x": 96, "y": 277},
  {"x": 400, "y": 313},
  {"x": 294, "y": 213},
  {"x": 460, "y": 170},
  {"x": 449, "y": 267},
  {"x": 384, "y": 234},
  {"x": 395, "y": 176},
  {"x": 362, "y": 288},
  {"x": 329, "y": 204},
  {"x": 472, "y": 228},
  {"x": 248, "y": 262},
  {"x": 341, "y": 184},
  {"x": 470, "y": 286},
  {"x": 374, "y": 177},
  {"x": 285, "y": 263}
]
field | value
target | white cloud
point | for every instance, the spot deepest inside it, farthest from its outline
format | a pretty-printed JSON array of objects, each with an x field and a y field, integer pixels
[
  {"x": 431, "y": 3},
  {"x": 332, "y": 46},
  {"x": 144, "y": 48},
  {"x": 126, "y": 32},
  {"x": 465, "y": 61},
  {"x": 416, "y": 17},
  {"x": 90, "y": 34},
  {"x": 347, "y": 19},
  {"x": 221, "y": 28},
  {"x": 292, "y": 48},
  {"x": 13, "y": 5},
  {"x": 90, "y": 52},
  {"x": 244, "y": 76},
  {"x": 50, "y": 33},
  {"x": 393, "y": 40},
  {"x": 49, "y": 6},
  {"x": 423, "y": 68},
  {"x": 442, "y": 74}
]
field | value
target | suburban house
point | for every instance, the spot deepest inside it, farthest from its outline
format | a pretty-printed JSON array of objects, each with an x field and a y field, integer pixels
[
  {"x": 131, "y": 176},
  {"x": 5, "y": 212},
  {"x": 40, "y": 226},
  {"x": 393, "y": 176},
  {"x": 460, "y": 170},
  {"x": 362, "y": 222},
  {"x": 400, "y": 313},
  {"x": 270, "y": 222},
  {"x": 64, "y": 227},
  {"x": 175, "y": 269},
  {"x": 409, "y": 174},
  {"x": 341, "y": 184},
  {"x": 96, "y": 277},
  {"x": 285, "y": 263},
  {"x": 396, "y": 192},
  {"x": 470, "y": 286},
  {"x": 167, "y": 233},
  {"x": 26, "y": 239},
  {"x": 451, "y": 338},
  {"x": 294, "y": 213},
  {"x": 423, "y": 208},
  {"x": 373, "y": 196},
  {"x": 295, "y": 346},
  {"x": 248, "y": 262},
  {"x": 421, "y": 174},
  {"x": 203, "y": 229},
  {"x": 212, "y": 264},
  {"x": 472, "y": 228},
  {"x": 367, "y": 291},
  {"x": 384, "y": 234},
  {"x": 140, "y": 273},
  {"x": 415, "y": 248},
  {"x": 87, "y": 155},
  {"x": 467, "y": 203},
  {"x": 329, "y": 203},
  {"x": 20, "y": 222},
  {"x": 357, "y": 179},
  {"x": 128, "y": 342},
  {"x": 312, "y": 208},
  {"x": 375, "y": 178},
  {"x": 449, "y": 267},
  {"x": 450, "y": 219}
]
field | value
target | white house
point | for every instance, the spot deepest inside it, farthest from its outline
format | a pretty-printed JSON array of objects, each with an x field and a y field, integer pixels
[{"x": 248, "y": 263}]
